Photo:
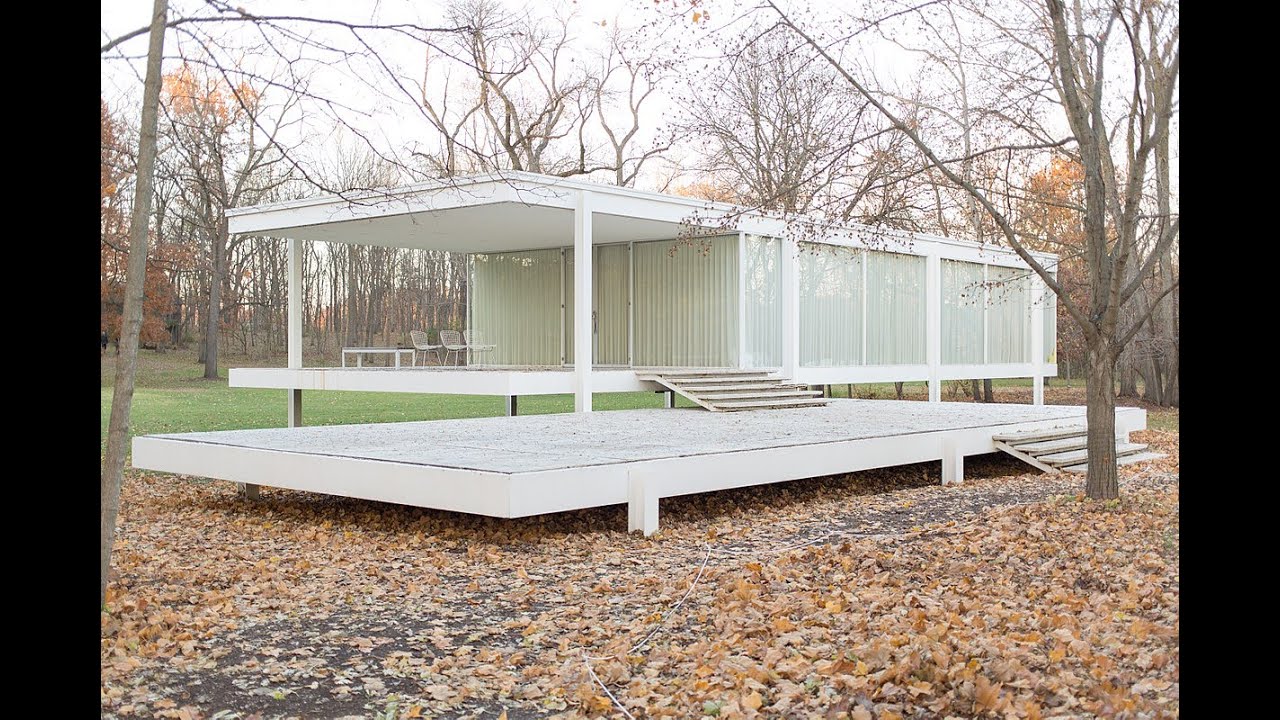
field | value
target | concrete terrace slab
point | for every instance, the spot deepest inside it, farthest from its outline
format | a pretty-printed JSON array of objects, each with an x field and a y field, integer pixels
[
  {"x": 517, "y": 466},
  {"x": 550, "y": 442}
]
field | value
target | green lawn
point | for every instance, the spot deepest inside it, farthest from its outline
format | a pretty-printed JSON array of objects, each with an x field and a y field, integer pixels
[{"x": 172, "y": 397}]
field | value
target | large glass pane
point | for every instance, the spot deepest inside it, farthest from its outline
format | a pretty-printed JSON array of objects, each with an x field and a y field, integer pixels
[
  {"x": 895, "y": 309},
  {"x": 1050, "y": 309},
  {"x": 610, "y": 266},
  {"x": 962, "y": 309},
  {"x": 763, "y": 297},
  {"x": 831, "y": 302},
  {"x": 515, "y": 305},
  {"x": 1008, "y": 316},
  {"x": 686, "y": 303}
]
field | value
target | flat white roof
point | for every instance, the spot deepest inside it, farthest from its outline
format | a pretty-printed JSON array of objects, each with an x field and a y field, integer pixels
[{"x": 512, "y": 211}]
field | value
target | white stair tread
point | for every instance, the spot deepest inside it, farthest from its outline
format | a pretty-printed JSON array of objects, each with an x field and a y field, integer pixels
[
  {"x": 761, "y": 394},
  {"x": 1075, "y": 456},
  {"x": 1122, "y": 460},
  {"x": 745, "y": 404},
  {"x": 1037, "y": 435},
  {"x": 718, "y": 379},
  {"x": 1043, "y": 447},
  {"x": 743, "y": 386},
  {"x": 702, "y": 371}
]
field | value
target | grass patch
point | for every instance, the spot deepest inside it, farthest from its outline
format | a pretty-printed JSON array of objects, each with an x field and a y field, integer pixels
[{"x": 171, "y": 396}]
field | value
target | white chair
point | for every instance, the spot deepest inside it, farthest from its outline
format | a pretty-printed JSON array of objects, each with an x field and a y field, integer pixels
[
  {"x": 421, "y": 343},
  {"x": 475, "y": 343},
  {"x": 453, "y": 343}
]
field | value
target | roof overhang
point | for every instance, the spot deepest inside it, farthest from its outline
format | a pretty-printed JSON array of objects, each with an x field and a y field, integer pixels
[{"x": 512, "y": 211}]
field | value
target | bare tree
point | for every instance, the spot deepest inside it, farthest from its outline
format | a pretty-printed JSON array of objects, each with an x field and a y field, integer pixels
[
  {"x": 627, "y": 78},
  {"x": 1065, "y": 53},
  {"x": 225, "y": 139},
  {"x": 126, "y": 365}
]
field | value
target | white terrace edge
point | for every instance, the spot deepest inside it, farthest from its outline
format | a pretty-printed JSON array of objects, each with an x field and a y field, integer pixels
[{"x": 639, "y": 484}]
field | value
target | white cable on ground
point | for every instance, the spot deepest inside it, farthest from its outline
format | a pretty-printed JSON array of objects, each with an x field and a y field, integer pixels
[{"x": 605, "y": 687}]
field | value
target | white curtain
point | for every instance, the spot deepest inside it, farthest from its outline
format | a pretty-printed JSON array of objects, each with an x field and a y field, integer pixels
[
  {"x": 515, "y": 304},
  {"x": 1008, "y": 316},
  {"x": 763, "y": 296},
  {"x": 686, "y": 303},
  {"x": 610, "y": 268},
  {"x": 831, "y": 305},
  {"x": 895, "y": 309},
  {"x": 963, "y": 304}
]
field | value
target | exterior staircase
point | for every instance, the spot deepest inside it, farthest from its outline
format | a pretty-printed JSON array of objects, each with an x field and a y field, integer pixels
[
  {"x": 1064, "y": 448},
  {"x": 720, "y": 390}
]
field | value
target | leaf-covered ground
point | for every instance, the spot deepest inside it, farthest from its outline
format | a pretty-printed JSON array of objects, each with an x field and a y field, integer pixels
[{"x": 875, "y": 595}]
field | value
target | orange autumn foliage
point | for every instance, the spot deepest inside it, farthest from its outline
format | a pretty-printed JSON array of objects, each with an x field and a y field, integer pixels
[{"x": 114, "y": 209}]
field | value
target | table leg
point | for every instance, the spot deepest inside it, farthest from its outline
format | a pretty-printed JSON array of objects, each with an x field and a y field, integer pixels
[
  {"x": 397, "y": 354},
  {"x": 359, "y": 359}
]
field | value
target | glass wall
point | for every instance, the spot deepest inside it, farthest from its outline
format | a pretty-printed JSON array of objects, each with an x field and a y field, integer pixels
[
  {"x": 1050, "y": 309},
  {"x": 610, "y": 269},
  {"x": 763, "y": 297},
  {"x": 895, "y": 309},
  {"x": 515, "y": 305},
  {"x": 1008, "y": 321},
  {"x": 686, "y": 303},
  {"x": 831, "y": 305},
  {"x": 963, "y": 303}
]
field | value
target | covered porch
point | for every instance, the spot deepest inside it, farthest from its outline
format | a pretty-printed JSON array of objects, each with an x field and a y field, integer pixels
[{"x": 551, "y": 286}]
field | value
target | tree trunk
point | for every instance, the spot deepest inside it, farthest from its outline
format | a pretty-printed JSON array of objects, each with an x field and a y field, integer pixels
[
  {"x": 213, "y": 315},
  {"x": 1103, "y": 482},
  {"x": 131, "y": 322},
  {"x": 1128, "y": 376},
  {"x": 987, "y": 394},
  {"x": 976, "y": 386},
  {"x": 897, "y": 389}
]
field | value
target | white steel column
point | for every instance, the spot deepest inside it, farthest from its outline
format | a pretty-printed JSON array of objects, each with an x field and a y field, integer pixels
[
  {"x": 295, "y": 303},
  {"x": 582, "y": 358},
  {"x": 295, "y": 326},
  {"x": 933, "y": 324},
  {"x": 742, "y": 299},
  {"x": 1037, "y": 305},
  {"x": 790, "y": 308}
]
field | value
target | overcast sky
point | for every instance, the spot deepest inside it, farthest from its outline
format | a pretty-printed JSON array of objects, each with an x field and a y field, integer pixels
[{"x": 387, "y": 115}]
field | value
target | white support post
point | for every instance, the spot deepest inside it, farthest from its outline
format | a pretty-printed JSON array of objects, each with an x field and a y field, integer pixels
[
  {"x": 295, "y": 327},
  {"x": 1037, "y": 304},
  {"x": 933, "y": 324},
  {"x": 790, "y": 308},
  {"x": 295, "y": 407},
  {"x": 642, "y": 504},
  {"x": 742, "y": 299},
  {"x": 952, "y": 463},
  {"x": 295, "y": 303},
  {"x": 582, "y": 359}
]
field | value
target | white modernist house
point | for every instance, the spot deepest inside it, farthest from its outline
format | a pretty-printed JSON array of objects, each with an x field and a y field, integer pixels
[
  {"x": 585, "y": 288},
  {"x": 578, "y": 284}
]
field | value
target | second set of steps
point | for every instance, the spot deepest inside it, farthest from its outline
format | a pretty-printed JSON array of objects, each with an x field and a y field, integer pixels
[
  {"x": 732, "y": 390},
  {"x": 1064, "y": 449}
]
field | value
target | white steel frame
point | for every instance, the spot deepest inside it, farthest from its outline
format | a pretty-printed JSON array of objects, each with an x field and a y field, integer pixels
[{"x": 586, "y": 201}]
